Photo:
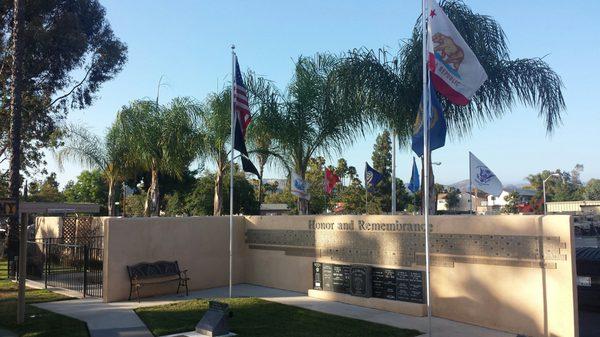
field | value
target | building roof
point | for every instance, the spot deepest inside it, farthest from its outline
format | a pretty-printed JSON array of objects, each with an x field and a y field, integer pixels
[
  {"x": 58, "y": 207},
  {"x": 274, "y": 207},
  {"x": 588, "y": 254}
]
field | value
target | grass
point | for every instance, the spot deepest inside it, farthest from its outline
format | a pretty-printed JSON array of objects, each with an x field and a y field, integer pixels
[
  {"x": 38, "y": 322},
  {"x": 259, "y": 318}
]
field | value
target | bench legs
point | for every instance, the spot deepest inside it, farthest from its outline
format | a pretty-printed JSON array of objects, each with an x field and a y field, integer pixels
[{"x": 183, "y": 283}]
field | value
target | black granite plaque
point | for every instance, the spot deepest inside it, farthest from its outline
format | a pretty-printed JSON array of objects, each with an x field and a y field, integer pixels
[
  {"x": 341, "y": 279},
  {"x": 409, "y": 286},
  {"x": 366, "y": 281},
  {"x": 317, "y": 276},
  {"x": 384, "y": 283},
  {"x": 360, "y": 281},
  {"x": 327, "y": 275}
]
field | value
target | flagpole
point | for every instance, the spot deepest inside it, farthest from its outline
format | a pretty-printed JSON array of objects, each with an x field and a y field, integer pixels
[
  {"x": 470, "y": 186},
  {"x": 231, "y": 169},
  {"x": 425, "y": 119},
  {"x": 394, "y": 172},
  {"x": 366, "y": 197}
]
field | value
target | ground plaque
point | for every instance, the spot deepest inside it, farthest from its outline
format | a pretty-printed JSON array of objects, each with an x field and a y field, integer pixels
[
  {"x": 215, "y": 320},
  {"x": 360, "y": 280}
]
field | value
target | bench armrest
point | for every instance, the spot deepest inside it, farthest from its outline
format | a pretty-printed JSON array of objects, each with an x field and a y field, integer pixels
[{"x": 184, "y": 273}]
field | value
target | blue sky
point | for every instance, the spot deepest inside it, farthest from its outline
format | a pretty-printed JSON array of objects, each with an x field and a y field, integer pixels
[{"x": 189, "y": 43}]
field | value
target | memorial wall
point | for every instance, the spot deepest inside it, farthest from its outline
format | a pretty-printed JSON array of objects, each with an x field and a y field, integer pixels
[{"x": 511, "y": 273}]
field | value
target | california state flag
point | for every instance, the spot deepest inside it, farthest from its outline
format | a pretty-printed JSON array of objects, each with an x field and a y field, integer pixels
[{"x": 455, "y": 71}]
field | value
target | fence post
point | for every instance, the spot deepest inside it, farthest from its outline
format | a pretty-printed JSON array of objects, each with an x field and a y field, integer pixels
[
  {"x": 86, "y": 262},
  {"x": 46, "y": 249}
]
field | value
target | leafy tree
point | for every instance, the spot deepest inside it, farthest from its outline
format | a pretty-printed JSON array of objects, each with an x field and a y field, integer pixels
[
  {"x": 270, "y": 188},
  {"x": 391, "y": 87},
  {"x": 175, "y": 204},
  {"x": 314, "y": 175},
  {"x": 106, "y": 155},
  {"x": 452, "y": 197},
  {"x": 90, "y": 187},
  {"x": 512, "y": 202},
  {"x": 284, "y": 197},
  {"x": 45, "y": 191},
  {"x": 134, "y": 205},
  {"x": 60, "y": 40},
  {"x": 592, "y": 189},
  {"x": 199, "y": 201},
  {"x": 160, "y": 139},
  {"x": 341, "y": 170},
  {"x": 3, "y": 185},
  {"x": 566, "y": 187},
  {"x": 382, "y": 162}
]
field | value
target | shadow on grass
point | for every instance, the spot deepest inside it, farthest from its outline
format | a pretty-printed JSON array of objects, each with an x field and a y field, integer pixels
[{"x": 260, "y": 318}]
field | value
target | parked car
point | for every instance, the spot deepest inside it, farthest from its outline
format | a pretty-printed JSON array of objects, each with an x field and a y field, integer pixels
[{"x": 588, "y": 277}]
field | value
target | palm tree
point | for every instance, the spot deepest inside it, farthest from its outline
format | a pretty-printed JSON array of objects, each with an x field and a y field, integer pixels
[
  {"x": 93, "y": 152},
  {"x": 391, "y": 87},
  {"x": 313, "y": 117},
  {"x": 263, "y": 99},
  {"x": 160, "y": 139},
  {"x": 216, "y": 129}
]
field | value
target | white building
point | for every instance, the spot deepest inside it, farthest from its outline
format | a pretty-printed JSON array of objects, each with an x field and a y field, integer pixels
[
  {"x": 464, "y": 202},
  {"x": 524, "y": 196}
]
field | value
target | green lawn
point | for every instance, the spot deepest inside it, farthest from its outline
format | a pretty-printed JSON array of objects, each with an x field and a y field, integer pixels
[
  {"x": 258, "y": 318},
  {"x": 38, "y": 322}
]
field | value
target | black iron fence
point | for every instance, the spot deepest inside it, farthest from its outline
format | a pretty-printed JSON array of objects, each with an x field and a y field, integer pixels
[{"x": 75, "y": 266}]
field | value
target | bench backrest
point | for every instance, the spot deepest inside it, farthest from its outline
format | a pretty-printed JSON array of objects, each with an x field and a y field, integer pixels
[{"x": 154, "y": 269}]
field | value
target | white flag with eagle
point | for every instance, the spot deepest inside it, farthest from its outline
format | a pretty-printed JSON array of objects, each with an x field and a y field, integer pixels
[
  {"x": 482, "y": 178},
  {"x": 455, "y": 71}
]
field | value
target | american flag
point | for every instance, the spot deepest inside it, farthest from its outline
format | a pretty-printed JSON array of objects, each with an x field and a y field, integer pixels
[{"x": 240, "y": 99}]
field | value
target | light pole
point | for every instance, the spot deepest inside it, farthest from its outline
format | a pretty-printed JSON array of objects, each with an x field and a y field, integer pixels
[{"x": 544, "y": 189}]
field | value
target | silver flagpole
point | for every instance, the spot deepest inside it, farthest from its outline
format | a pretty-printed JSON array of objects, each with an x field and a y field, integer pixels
[
  {"x": 394, "y": 172},
  {"x": 470, "y": 186},
  {"x": 426, "y": 159},
  {"x": 231, "y": 168}
]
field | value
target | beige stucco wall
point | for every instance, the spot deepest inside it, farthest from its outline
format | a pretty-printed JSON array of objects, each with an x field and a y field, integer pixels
[
  {"x": 48, "y": 227},
  {"x": 533, "y": 301},
  {"x": 199, "y": 244},
  {"x": 530, "y": 301}
]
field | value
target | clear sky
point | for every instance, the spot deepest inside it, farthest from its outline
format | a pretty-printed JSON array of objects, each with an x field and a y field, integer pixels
[{"x": 189, "y": 43}]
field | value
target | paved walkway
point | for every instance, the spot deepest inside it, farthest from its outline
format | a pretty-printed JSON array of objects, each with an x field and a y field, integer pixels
[{"x": 118, "y": 319}]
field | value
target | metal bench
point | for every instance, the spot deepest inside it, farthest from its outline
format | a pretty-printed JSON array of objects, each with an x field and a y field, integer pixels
[{"x": 156, "y": 273}]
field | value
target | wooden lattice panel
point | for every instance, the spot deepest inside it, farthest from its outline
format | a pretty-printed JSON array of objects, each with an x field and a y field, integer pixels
[{"x": 69, "y": 230}]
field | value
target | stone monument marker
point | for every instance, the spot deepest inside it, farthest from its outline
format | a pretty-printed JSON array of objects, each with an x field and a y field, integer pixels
[{"x": 215, "y": 320}]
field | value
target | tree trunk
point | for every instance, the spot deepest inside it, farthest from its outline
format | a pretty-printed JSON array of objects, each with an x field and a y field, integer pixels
[
  {"x": 14, "y": 183},
  {"x": 152, "y": 197},
  {"x": 218, "y": 197},
  {"x": 111, "y": 197},
  {"x": 260, "y": 184}
]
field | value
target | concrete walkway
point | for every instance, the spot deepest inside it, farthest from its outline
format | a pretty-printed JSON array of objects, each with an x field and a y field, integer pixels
[{"x": 118, "y": 319}]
